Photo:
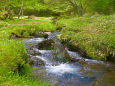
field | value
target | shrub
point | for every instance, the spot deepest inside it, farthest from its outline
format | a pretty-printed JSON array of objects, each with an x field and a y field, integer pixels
[{"x": 5, "y": 15}]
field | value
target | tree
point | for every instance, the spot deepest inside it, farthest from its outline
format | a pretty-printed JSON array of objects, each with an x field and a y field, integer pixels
[
  {"x": 4, "y": 4},
  {"x": 103, "y": 6},
  {"x": 75, "y": 6},
  {"x": 21, "y": 10}
]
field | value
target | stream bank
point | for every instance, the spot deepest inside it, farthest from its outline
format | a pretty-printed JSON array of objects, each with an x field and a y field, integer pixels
[{"x": 93, "y": 35}]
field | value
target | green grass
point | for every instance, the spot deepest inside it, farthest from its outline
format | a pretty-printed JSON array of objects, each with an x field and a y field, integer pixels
[
  {"x": 14, "y": 68},
  {"x": 37, "y": 18},
  {"x": 94, "y": 35},
  {"x": 28, "y": 25},
  {"x": 16, "y": 80}
]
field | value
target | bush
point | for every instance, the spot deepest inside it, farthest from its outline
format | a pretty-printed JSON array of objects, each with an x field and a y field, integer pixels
[
  {"x": 12, "y": 55},
  {"x": 6, "y": 15}
]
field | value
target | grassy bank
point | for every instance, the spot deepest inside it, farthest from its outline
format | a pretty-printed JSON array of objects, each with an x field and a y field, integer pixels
[
  {"x": 14, "y": 68},
  {"x": 93, "y": 35},
  {"x": 24, "y": 28}
]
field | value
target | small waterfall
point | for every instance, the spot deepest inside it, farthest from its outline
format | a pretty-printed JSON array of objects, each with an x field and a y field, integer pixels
[{"x": 82, "y": 72}]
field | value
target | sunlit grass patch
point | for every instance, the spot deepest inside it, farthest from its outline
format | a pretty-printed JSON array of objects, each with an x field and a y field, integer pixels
[{"x": 24, "y": 28}]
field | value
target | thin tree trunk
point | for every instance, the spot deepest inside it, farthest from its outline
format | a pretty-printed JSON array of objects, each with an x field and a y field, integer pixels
[
  {"x": 22, "y": 8},
  {"x": 21, "y": 11}
]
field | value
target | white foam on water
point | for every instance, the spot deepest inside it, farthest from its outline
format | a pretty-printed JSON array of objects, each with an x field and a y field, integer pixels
[
  {"x": 35, "y": 49},
  {"x": 74, "y": 54},
  {"x": 35, "y": 40},
  {"x": 62, "y": 68},
  {"x": 44, "y": 59},
  {"x": 94, "y": 61},
  {"x": 45, "y": 51}
]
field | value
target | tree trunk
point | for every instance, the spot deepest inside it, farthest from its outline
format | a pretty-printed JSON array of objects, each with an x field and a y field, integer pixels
[
  {"x": 21, "y": 11},
  {"x": 76, "y": 10}
]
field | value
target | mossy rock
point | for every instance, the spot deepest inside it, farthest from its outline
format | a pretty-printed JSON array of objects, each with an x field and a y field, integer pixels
[
  {"x": 34, "y": 61},
  {"x": 48, "y": 44}
]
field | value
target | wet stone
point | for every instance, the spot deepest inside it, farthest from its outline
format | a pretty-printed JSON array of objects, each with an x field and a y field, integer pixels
[
  {"x": 36, "y": 61},
  {"x": 32, "y": 51}
]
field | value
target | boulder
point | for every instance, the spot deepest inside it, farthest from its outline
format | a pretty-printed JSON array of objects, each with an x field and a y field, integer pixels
[
  {"x": 61, "y": 53},
  {"x": 31, "y": 51},
  {"x": 36, "y": 61}
]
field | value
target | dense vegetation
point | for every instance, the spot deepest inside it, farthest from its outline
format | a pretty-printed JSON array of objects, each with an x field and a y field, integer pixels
[
  {"x": 13, "y": 67},
  {"x": 87, "y": 25},
  {"x": 58, "y": 7}
]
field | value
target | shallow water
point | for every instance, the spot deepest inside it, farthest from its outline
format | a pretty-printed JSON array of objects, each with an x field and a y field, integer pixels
[{"x": 82, "y": 72}]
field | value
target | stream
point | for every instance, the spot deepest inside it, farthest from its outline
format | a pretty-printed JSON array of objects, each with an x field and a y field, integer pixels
[{"x": 48, "y": 64}]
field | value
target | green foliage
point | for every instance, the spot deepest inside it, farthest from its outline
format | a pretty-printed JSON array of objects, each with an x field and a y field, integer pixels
[
  {"x": 10, "y": 59},
  {"x": 80, "y": 7},
  {"x": 32, "y": 7},
  {"x": 102, "y": 6},
  {"x": 94, "y": 35},
  {"x": 16, "y": 80},
  {"x": 4, "y": 15},
  {"x": 59, "y": 7}
]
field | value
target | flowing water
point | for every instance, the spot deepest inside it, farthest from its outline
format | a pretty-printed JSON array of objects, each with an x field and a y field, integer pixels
[{"x": 81, "y": 72}]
